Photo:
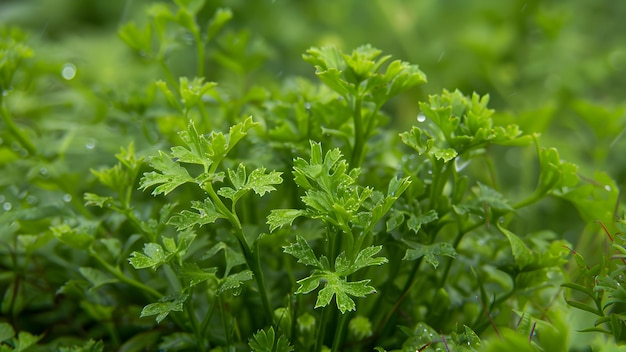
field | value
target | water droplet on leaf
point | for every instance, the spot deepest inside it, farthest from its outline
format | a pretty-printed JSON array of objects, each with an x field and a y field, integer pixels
[
  {"x": 68, "y": 72},
  {"x": 91, "y": 144},
  {"x": 67, "y": 198},
  {"x": 7, "y": 206},
  {"x": 31, "y": 199},
  {"x": 421, "y": 117}
]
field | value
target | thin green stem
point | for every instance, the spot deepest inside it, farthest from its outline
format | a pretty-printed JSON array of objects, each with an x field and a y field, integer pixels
[
  {"x": 321, "y": 330},
  {"x": 224, "y": 322},
  {"x": 412, "y": 280},
  {"x": 199, "y": 52},
  {"x": 117, "y": 273},
  {"x": 339, "y": 333},
  {"x": 207, "y": 319},
  {"x": 252, "y": 258},
  {"x": 193, "y": 319},
  {"x": 359, "y": 141}
]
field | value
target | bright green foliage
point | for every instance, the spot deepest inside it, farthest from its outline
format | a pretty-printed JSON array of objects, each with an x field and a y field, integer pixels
[
  {"x": 10, "y": 341},
  {"x": 164, "y": 307},
  {"x": 192, "y": 195},
  {"x": 335, "y": 283},
  {"x": 155, "y": 255},
  {"x": 265, "y": 341},
  {"x": 602, "y": 284}
]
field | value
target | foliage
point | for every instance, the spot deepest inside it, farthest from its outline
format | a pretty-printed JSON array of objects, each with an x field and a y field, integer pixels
[{"x": 193, "y": 201}]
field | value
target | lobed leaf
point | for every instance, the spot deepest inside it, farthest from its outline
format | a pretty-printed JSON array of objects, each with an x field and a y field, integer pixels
[
  {"x": 522, "y": 255},
  {"x": 205, "y": 213},
  {"x": 303, "y": 252},
  {"x": 164, "y": 307},
  {"x": 153, "y": 256},
  {"x": 171, "y": 175},
  {"x": 280, "y": 217},
  {"x": 429, "y": 252}
]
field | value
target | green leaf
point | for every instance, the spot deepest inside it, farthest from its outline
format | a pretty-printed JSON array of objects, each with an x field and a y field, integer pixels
[
  {"x": 303, "y": 252},
  {"x": 88, "y": 346},
  {"x": 6, "y": 331},
  {"x": 96, "y": 277},
  {"x": 429, "y": 252},
  {"x": 472, "y": 338},
  {"x": 72, "y": 237},
  {"x": 280, "y": 217},
  {"x": 234, "y": 281},
  {"x": 192, "y": 274},
  {"x": 92, "y": 199},
  {"x": 165, "y": 305},
  {"x": 154, "y": 257},
  {"x": 138, "y": 39},
  {"x": 344, "y": 267},
  {"x": 258, "y": 181},
  {"x": 334, "y": 286},
  {"x": 193, "y": 6},
  {"x": 193, "y": 92},
  {"x": 342, "y": 289},
  {"x": 521, "y": 253},
  {"x": 415, "y": 222},
  {"x": 261, "y": 183},
  {"x": 26, "y": 340},
  {"x": 265, "y": 341},
  {"x": 171, "y": 175},
  {"x": 231, "y": 256},
  {"x": 493, "y": 198},
  {"x": 220, "y": 18},
  {"x": 205, "y": 213}
]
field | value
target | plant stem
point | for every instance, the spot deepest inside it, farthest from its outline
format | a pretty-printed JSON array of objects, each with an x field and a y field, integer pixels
[
  {"x": 252, "y": 258},
  {"x": 357, "y": 149},
  {"x": 224, "y": 322},
  {"x": 123, "y": 278},
  {"x": 200, "y": 53},
  {"x": 339, "y": 333},
  {"x": 321, "y": 330},
  {"x": 194, "y": 322}
]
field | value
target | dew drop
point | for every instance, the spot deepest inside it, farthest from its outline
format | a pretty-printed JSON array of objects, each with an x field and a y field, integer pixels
[
  {"x": 421, "y": 117},
  {"x": 91, "y": 144},
  {"x": 7, "y": 206},
  {"x": 68, "y": 72},
  {"x": 67, "y": 198},
  {"x": 307, "y": 106},
  {"x": 31, "y": 199},
  {"x": 43, "y": 171},
  {"x": 608, "y": 188}
]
